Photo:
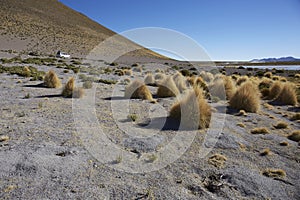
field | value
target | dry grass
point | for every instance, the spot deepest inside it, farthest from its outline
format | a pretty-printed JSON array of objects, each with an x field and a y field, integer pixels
[
  {"x": 51, "y": 80},
  {"x": 276, "y": 78},
  {"x": 296, "y": 116},
  {"x": 159, "y": 76},
  {"x": 229, "y": 87},
  {"x": 274, "y": 173},
  {"x": 297, "y": 75},
  {"x": 240, "y": 124},
  {"x": 284, "y": 143},
  {"x": 241, "y": 80},
  {"x": 207, "y": 76},
  {"x": 241, "y": 113},
  {"x": 268, "y": 74},
  {"x": 138, "y": 90},
  {"x": 127, "y": 72},
  {"x": 167, "y": 88},
  {"x": 4, "y": 138},
  {"x": 193, "y": 110},
  {"x": 246, "y": 98},
  {"x": 288, "y": 95},
  {"x": 281, "y": 125},
  {"x": 70, "y": 90},
  {"x": 217, "y": 89},
  {"x": 180, "y": 81},
  {"x": 217, "y": 160},
  {"x": 265, "y": 152},
  {"x": 295, "y": 136},
  {"x": 149, "y": 79},
  {"x": 260, "y": 130},
  {"x": 275, "y": 89}
]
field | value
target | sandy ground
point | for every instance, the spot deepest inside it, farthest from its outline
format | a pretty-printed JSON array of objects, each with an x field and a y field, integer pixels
[{"x": 62, "y": 148}]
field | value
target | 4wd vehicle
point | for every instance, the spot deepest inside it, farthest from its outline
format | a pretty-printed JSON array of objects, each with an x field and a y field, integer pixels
[{"x": 60, "y": 54}]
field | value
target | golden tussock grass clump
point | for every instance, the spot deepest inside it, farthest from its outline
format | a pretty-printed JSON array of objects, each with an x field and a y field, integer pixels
[
  {"x": 275, "y": 78},
  {"x": 265, "y": 92},
  {"x": 297, "y": 75},
  {"x": 51, "y": 80},
  {"x": 149, "y": 79},
  {"x": 287, "y": 95},
  {"x": 247, "y": 97},
  {"x": 241, "y": 113},
  {"x": 70, "y": 90},
  {"x": 217, "y": 160},
  {"x": 234, "y": 77},
  {"x": 167, "y": 88},
  {"x": 137, "y": 69},
  {"x": 265, "y": 83},
  {"x": 207, "y": 76},
  {"x": 274, "y": 173},
  {"x": 4, "y": 138},
  {"x": 180, "y": 81},
  {"x": 137, "y": 90},
  {"x": 295, "y": 116},
  {"x": 265, "y": 152},
  {"x": 192, "y": 110},
  {"x": 283, "y": 79},
  {"x": 241, "y": 80},
  {"x": 295, "y": 136},
  {"x": 127, "y": 72},
  {"x": 217, "y": 89},
  {"x": 275, "y": 89},
  {"x": 281, "y": 125},
  {"x": 240, "y": 124},
  {"x": 260, "y": 130},
  {"x": 159, "y": 76},
  {"x": 284, "y": 143},
  {"x": 191, "y": 80},
  {"x": 229, "y": 87},
  {"x": 268, "y": 74}
]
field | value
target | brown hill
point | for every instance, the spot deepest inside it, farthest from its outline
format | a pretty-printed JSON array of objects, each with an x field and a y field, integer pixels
[{"x": 45, "y": 26}]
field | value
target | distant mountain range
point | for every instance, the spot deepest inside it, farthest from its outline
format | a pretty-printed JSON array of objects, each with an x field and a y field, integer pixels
[{"x": 282, "y": 59}]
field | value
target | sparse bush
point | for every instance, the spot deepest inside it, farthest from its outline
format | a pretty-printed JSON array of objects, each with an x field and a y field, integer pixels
[
  {"x": 274, "y": 173},
  {"x": 217, "y": 160},
  {"x": 261, "y": 130},
  {"x": 167, "y": 88},
  {"x": 295, "y": 136},
  {"x": 132, "y": 117},
  {"x": 137, "y": 89},
  {"x": 281, "y": 125},
  {"x": 288, "y": 95},
  {"x": 51, "y": 80},
  {"x": 246, "y": 98},
  {"x": 193, "y": 110}
]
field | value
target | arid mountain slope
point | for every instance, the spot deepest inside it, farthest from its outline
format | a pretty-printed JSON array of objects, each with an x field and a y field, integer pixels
[{"x": 47, "y": 26}]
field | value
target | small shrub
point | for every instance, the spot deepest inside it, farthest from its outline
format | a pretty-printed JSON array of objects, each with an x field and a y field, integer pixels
[
  {"x": 51, "y": 80},
  {"x": 241, "y": 125},
  {"x": 217, "y": 160},
  {"x": 275, "y": 78},
  {"x": 4, "y": 138},
  {"x": 295, "y": 136},
  {"x": 27, "y": 96},
  {"x": 288, "y": 95},
  {"x": 229, "y": 87},
  {"x": 281, "y": 125},
  {"x": 297, "y": 75},
  {"x": 274, "y": 173},
  {"x": 66, "y": 71},
  {"x": 193, "y": 110},
  {"x": 185, "y": 72},
  {"x": 87, "y": 85},
  {"x": 268, "y": 74},
  {"x": 207, "y": 76},
  {"x": 167, "y": 88},
  {"x": 261, "y": 130},
  {"x": 265, "y": 152},
  {"x": 132, "y": 117},
  {"x": 275, "y": 90},
  {"x": 137, "y": 89},
  {"x": 246, "y": 98},
  {"x": 128, "y": 72}
]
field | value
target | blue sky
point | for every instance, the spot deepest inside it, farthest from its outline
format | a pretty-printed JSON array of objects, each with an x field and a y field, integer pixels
[{"x": 226, "y": 29}]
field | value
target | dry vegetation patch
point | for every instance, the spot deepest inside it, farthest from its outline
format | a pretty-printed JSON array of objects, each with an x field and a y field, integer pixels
[
  {"x": 274, "y": 173},
  {"x": 260, "y": 130},
  {"x": 295, "y": 136},
  {"x": 217, "y": 160},
  {"x": 137, "y": 90}
]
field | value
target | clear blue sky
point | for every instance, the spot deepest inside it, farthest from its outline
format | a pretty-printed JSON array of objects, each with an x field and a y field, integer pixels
[{"x": 227, "y": 29}]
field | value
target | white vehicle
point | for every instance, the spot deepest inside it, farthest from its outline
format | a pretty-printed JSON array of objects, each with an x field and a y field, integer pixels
[{"x": 62, "y": 55}]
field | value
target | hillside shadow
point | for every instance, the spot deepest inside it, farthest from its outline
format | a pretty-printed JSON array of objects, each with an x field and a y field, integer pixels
[
  {"x": 113, "y": 98},
  {"x": 156, "y": 123}
]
